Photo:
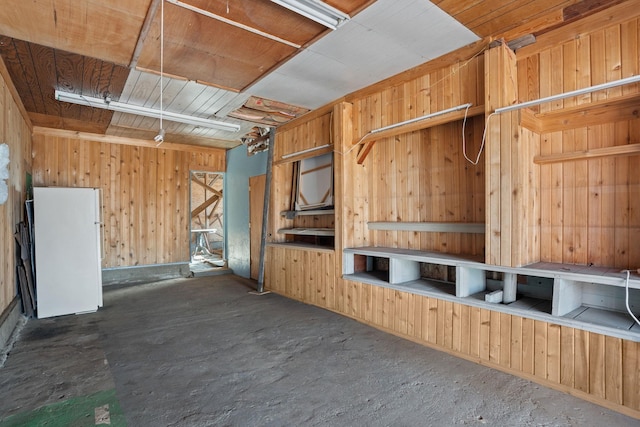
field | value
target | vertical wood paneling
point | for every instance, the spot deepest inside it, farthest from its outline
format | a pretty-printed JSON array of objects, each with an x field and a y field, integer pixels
[
  {"x": 511, "y": 195},
  {"x": 145, "y": 193},
  {"x": 631, "y": 374},
  {"x": 15, "y": 131},
  {"x": 583, "y": 212},
  {"x": 585, "y": 216},
  {"x": 567, "y": 354}
]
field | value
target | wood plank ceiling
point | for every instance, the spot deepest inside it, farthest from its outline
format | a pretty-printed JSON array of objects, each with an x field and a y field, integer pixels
[{"x": 211, "y": 60}]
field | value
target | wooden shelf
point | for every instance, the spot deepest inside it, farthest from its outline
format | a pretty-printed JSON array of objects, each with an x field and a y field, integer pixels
[
  {"x": 436, "y": 227},
  {"x": 302, "y": 246},
  {"x": 308, "y": 231},
  {"x": 313, "y": 212},
  {"x": 370, "y": 139},
  {"x": 595, "y": 113},
  {"x": 589, "y": 298},
  {"x": 618, "y": 150}
]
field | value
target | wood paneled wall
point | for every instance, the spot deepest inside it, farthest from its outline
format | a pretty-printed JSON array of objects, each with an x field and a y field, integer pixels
[
  {"x": 512, "y": 182},
  {"x": 15, "y": 130},
  {"x": 422, "y": 176},
  {"x": 145, "y": 192},
  {"x": 581, "y": 212},
  {"x": 590, "y": 209},
  {"x": 592, "y": 366},
  {"x": 303, "y": 274},
  {"x": 314, "y": 132}
]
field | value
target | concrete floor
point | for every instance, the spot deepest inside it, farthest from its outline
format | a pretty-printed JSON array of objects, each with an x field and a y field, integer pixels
[{"x": 205, "y": 352}]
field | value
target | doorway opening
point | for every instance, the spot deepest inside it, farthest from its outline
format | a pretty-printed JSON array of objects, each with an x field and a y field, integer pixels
[{"x": 208, "y": 243}]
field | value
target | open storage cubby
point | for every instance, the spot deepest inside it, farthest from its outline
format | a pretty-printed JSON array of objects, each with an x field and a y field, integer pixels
[{"x": 585, "y": 297}]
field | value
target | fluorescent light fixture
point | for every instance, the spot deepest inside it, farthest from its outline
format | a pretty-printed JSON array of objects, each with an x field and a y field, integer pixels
[
  {"x": 316, "y": 10},
  {"x": 428, "y": 116},
  {"x": 138, "y": 110},
  {"x": 578, "y": 92},
  {"x": 308, "y": 150}
]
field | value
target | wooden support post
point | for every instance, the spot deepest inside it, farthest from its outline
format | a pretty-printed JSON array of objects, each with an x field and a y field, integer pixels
[
  {"x": 511, "y": 188},
  {"x": 265, "y": 210},
  {"x": 343, "y": 192}
]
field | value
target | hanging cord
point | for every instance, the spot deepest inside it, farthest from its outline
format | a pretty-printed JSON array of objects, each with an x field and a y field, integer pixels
[
  {"x": 626, "y": 297},
  {"x": 160, "y": 137},
  {"x": 484, "y": 138},
  {"x": 465, "y": 114}
]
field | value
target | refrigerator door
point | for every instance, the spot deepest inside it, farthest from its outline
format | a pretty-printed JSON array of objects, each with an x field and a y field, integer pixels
[{"x": 67, "y": 243}]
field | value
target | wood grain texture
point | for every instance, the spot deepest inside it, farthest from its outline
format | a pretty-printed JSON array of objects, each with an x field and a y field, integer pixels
[
  {"x": 15, "y": 131},
  {"x": 585, "y": 193},
  {"x": 596, "y": 367},
  {"x": 557, "y": 212},
  {"x": 145, "y": 192}
]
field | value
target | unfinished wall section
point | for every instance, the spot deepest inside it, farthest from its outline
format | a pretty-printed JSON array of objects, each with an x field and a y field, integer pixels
[
  {"x": 15, "y": 131},
  {"x": 145, "y": 190}
]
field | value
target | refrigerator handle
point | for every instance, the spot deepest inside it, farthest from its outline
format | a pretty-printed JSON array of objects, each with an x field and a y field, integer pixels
[{"x": 101, "y": 224}]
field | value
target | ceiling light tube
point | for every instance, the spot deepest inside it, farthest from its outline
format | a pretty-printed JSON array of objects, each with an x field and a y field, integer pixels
[
  {"x": 308, "y": 150},
  {"x": 428, "y": 116},
  {"x": 578, "y": 92},
  {"x": 138, "y": 110},
  {"x": 316, "y": 10}
]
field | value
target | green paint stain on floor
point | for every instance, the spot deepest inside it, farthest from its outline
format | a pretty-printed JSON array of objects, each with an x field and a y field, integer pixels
[{"x": 76, "y": 412}]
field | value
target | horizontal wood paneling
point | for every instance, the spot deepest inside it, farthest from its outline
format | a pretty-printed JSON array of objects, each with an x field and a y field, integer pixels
[
  {"x": 590, "y": 209},
  {"x": 15, "y": 131},
  {"x": 145, "y": 192}
]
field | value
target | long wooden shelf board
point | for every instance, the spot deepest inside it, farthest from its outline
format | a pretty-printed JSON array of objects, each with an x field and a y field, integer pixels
[
  {"x": 519, "y": 308},
  {"x": 439, "y": 227},
  {"x": 598, "y": 275},
  {"x": 312, "y": 212},
  {"x": 308, "y": 231},
  {"x": 594, "y": 153},
  {"x": 302, "y": 246},
  {"x": 369, "y": 139},
  {"x": 598, "y": 112},
  {"x": 417, "y": 255}
]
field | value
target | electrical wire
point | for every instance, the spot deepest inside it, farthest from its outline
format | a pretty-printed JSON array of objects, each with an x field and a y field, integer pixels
[
  {"x": 626, "y": 297},
  {"x": 484, "y": 138},
  {"x": 429, "y": 87}
]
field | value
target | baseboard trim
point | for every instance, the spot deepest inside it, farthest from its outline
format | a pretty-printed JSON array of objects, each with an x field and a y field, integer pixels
[
  {"x": 9, "y": 320},
  {"x": 139, "y": 274}
]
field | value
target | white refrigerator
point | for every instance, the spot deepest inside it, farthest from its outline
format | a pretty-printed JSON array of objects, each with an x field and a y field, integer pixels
[{"x": 67, "y": 248}]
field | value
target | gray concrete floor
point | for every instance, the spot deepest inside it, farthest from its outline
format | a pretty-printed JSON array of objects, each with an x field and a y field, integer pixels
[{"x": 205, "y": 352}]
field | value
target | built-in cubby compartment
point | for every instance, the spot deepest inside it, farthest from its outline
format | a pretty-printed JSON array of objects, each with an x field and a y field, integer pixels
[{"x": 585, "y": 297}]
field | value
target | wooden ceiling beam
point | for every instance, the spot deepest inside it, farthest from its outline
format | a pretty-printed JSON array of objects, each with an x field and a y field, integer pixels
[
  {"x": 109, "y": 139},
  {"x": 146, "y": 26}
]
